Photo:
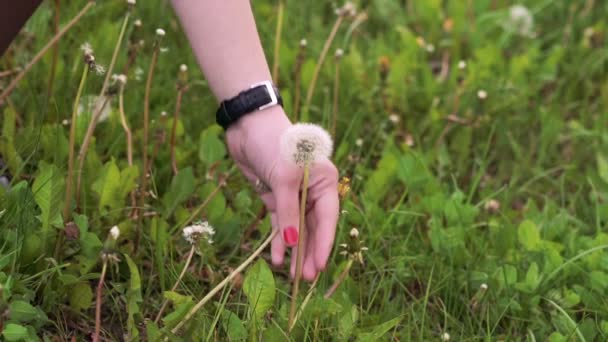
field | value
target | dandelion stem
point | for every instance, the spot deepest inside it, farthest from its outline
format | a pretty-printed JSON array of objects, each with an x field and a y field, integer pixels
[
  {"x": 277, "y": 42},
  {"x": 179, "y": 279},
  {"x": 340, "y": 279},
  {"x": 315, "y": 75},
  {"x": 125, "y": 127},
  {"x": 91, "y": 128},
  {"x": 300, "y": 254},
  {"x": 223, "y": 283},
  {"x": 144, "y": 174},
  {"x": 98, "y": 301},
  {"x": 69, "y": 181},
  {"x": 335, "y": 105},
  {"x": 178, "y": 104},
  {"x": 313, "y": 286},
  {"x": 9, "y": 89}
]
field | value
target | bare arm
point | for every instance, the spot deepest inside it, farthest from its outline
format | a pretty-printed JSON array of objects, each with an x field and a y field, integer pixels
[{"x": 12, "y": 17}]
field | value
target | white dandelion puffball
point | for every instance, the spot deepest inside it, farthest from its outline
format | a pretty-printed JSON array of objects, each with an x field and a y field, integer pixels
[
  {"x": 160, "y": 32},
  {"x": 305, "y": 143},
  {"x": 445, "y": 337},
  {"x": 183, "y": 68},
  {"x": 120, "y": 78},
  {"x": 86, "y": 48},
  {"x": 483, "y": 287},
  {"x": 482, "y": 94},
  {"x": 115, "y": 233},
  {"x": 520, "y": 21},
  {"x": 354, "y": 232},
  {"x": 462, "y": 65},
  {"x": 200, "y": 229},
  {"x": 303, "y": 42}
]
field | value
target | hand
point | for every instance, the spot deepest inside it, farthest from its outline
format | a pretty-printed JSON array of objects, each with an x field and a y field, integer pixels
[{"x": 253, "y": 143}]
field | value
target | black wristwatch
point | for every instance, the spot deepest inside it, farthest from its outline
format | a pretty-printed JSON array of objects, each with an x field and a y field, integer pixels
[{"x": 259, "y": 96}]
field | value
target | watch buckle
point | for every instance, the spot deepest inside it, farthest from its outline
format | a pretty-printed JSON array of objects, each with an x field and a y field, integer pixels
[{"x": 273, "y": 96}]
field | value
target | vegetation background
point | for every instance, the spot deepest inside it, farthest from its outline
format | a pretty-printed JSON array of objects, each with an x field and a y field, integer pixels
[{"x": 474, "y": 134}]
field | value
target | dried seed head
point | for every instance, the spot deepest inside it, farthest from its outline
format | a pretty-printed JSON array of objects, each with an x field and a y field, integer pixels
[
  {"x": 304, "y": 143},
  {"x": 195, "y": 232},
  {"x": 492, "y": 206},
  {"x": 359, "y": 142},
  {"x": 394, "y": 118},
  {"x": 137, "y": 23},
  {"x": 445, "y": 337},
  {"x": 347, "y": 10},
  {"x": 483, "y": 287},
  {"x": 120, "y": 79}
]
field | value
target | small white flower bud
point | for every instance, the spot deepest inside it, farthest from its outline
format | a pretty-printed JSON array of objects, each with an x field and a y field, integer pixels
[
  {"x": 183, "y": 68},
  {"x": 354, "y": 232},
  {"x": 131, "y": 2},
  {"x": 462, "y": 65},
  {"x": 445, "y": 337},
  {"x": 115, "y": 233},
  {"x": 483, "y": 287},
  {"x": 339, "y": 53},
  {"x": 160, "y": 32},
  {"x": 303, "y": 42},
  {"x": 137, "y": 23},
  {"x": 482, "y": 94},
  {"x": 163, "y": 113},
  {"x": 359, "y": 142}
]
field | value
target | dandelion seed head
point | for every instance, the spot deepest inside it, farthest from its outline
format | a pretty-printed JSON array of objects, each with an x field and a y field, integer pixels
[
  {"x": 359, "y": 142},
  {"x": 394, "y": 118},
  {"x": 492, "y": 206},
  {"x": 115, "y": 233},
  {"x": 99, "y": 69},
  {"x": 347, "y": 10},
  {"x": 305, "y": 143},
  {"x": 137, "y": 23},
  {"x": 482, "y": 94},
  {"x": 183, "y": 68},
  {"x": 65, "y": 122},
  {"x": 163, "y": 113},
  {"x": 339, "y": 53},
  {"x": 520, "y": 21},
  {"x": 430, "y": 48},
  {"x": 86, "y": 48},
  {"x": 160, "y": 32},
  {"x": 120, "y": 78},
  {"x": 199, "y": 230},
  {"x": 445, "y": 336},
  {"x": 483, "y": 287},
  {"x": 462, "y": 65},
  {"x": 303, "y": 43}
]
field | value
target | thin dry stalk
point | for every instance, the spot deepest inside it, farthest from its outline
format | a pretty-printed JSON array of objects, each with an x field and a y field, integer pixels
[
  {"x": 313, "y": 287},
  {"x": 179, "y": 279},
  {"x": 223, "y": 283},
  {"x": 340, "y": 279},
  {"x": 98, "y": 301},
  {"x": 315, "y": 75},
  {"x": 277, "y": 42},
  {"x": 129, "y": 137},
  {"x": 9, "y": 89},
  {"x": 297, "y": 78},
  {"x": 178, "y": 104}
]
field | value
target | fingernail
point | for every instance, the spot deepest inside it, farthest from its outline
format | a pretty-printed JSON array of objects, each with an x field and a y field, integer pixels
[{"x": 290, "y": 235}]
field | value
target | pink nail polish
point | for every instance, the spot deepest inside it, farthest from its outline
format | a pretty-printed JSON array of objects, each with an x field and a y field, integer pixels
[{"x": 290, "y": 235}]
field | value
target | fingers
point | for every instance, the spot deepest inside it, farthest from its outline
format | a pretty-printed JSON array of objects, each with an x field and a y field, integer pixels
[
  {"x": 309, "y": 268},
  {"x": 287, "y": 203},
  {"x": 277, "y": 247}
]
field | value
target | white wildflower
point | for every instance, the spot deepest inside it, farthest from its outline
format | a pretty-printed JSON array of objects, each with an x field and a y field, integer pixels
[
  {"x": 139, "y": 72},
  {"x": 354, "y": 232},
  {"x": 520, "y": 21},
  {"x": 163, "y": 113},
  {"x": 99, "y": 69},
  {"x": 120, "y": 78},
  {"x": 65, "y": 122},
  {"x": 462, "y": 65},
  {"x": 115, "y": 233},
  {"x": 348, "y": 10},
  {"x": 492, "y": 206},
  {"x": 445, "y": 336},
  {"x": 305, "y": 143},
  {"x": 482, "y": 94},
  {"x": 430, "y": 48},
  {"x": 160, "y": 32},
  {"x": 200, "y": 229},
  {"x": 86, "y": 49}
]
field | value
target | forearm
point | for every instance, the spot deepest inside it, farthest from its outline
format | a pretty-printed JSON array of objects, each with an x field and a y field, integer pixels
[
  {"x": 226, "y": 43},
  {"x": 13, "y": 14}
]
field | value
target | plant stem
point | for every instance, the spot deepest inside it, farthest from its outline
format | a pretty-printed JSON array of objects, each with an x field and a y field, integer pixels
[
  {"x": 125, "y": 127},
  {"x": 98, "y": 301},
  {"x": 97, "y": 113},
  {"x": 223, "y": 283},
  {"x": 9, "y": 89},
  {"x": 144, "y": 174},
  {"x": 55, "y": 51},
  {"x": 178, "y": 104},
  {"x": 69, "y": 181},
  {"x": 315, "y": 75},
  {"x": 300, "y": 255},
  {"x": 340, "y": 279},
  {"x": 313, "y": 286},
  {"x": 181, "y": 275},
  {"x": 297, "y": 78},
  {"x": 277, "y": 42},
  {"x": 335, "y": 105}
]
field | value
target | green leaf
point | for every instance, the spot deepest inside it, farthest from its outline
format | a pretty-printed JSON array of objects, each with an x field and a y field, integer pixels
[
  {"x": 182, "y": 186},
  {"x": 233, "y": 325},
  {"x": 128, "y": 180},
  {"x": 23, "y": 312},
  {"x": 177, "y": 298},
  {"x": 81, "y": 296},
  {"x": 108, "y": 187},
  {"x": 259, "y": 287},
  {"x": 15, "y": 332},
  {"x": 602, "y": 167},
  {"x": 529, "y": 236},
  {"x": 133, "y": 298},
  {"x": 211, "y": 146},
  {"x": 48, "y": 193},
  {"x": 379, "y": 330}
]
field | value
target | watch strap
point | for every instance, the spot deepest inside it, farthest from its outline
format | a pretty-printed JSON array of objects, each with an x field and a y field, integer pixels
[{"x": 257, "y": 97}]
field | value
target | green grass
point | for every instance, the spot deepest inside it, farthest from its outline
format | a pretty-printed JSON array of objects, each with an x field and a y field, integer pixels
[{"x": 420, "y": 187}]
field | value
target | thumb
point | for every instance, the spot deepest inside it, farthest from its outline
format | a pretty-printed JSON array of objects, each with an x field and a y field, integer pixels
[{"x": 287, "y": 208}]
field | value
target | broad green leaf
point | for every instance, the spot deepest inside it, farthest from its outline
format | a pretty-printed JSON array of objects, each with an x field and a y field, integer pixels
[
  {"x": 48, "y": 191},
  {"x": 379, "y": 182},
  {"x": 108, "y": 186},
  {"x": 379, "y": 330},
  {"x": 177, "y": 298},
  {"x": 211, "y": 146},
  {"x": 216, "y": 207},
  {"x": 182, "y": 186},
  {"x": 128, "y": 180},
  {"x": 528, "y": 235},
  {"x": 602, "y": 167},
  {"x": 15, "y": 332},
  {"x": 259, "y": 287},
  {"x": 81, "y": 296},
  {"x": 233, "y": 325},
  {"x": 133, "y": 298},
  {"x": 23, "y": 312}
]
